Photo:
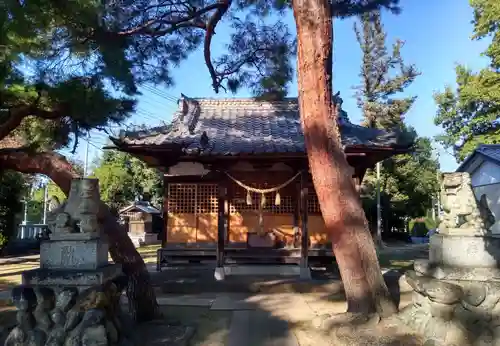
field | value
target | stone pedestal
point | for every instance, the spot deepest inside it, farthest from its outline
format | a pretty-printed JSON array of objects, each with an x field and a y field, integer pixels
[
  {"x": 79, "y": 279},
  {"x": 77, "y": 260},
  {"x": 457, "y": 291},
  {"x": 464, "y": 251},
  {"x": 74, "y": 254},
  {"x": 73, "y": 298}
]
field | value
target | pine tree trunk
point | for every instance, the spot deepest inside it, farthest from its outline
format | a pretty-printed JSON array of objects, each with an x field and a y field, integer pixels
[
  {"x": 340, "y": 205},
  {"x": 140, "y": 293}
]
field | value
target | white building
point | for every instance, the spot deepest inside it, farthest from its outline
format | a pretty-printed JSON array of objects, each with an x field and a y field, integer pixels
[{"x": 483, "y": 165}]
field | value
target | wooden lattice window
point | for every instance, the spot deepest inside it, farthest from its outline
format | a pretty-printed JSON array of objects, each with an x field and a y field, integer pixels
[
  {"x": 182, "y": 198},
  {"x": 239, "y": 201},
  {"x": 192, "y": 198},
  {"x": 312, "y": 202},
  {"x": 206, "y": 198}
]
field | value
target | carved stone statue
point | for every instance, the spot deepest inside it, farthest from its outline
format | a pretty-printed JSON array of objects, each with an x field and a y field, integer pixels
[
  {"x": 89, "y": 195},
  {"x": 342, "y": 114},
  {"x": 485, "y": 211},
  {"x": 462, "y": 212},
  {"x": 54, "y": 203},
  {"x": 88, "y": 223},
  {"x": 79, "y": 213},
  {"x": 64, "y": 224}
]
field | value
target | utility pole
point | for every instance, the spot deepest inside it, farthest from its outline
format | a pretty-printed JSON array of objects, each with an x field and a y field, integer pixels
[
  {"x": 438, "y": 198},
  {"x": 45, "y": 201},
  {"x": 433, "y": 209},
  {"x": 25, "y": 218},
  {"x": 26, "y": 201},
  {"x": 86, "y": 162},
  {"x": 379, "y": 208}
]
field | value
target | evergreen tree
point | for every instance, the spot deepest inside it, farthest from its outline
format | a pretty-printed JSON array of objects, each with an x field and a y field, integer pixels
[
  {"x": 384, "y": 76},
  {"x": 409, "y": 181},
  {"x": 12, "y": 191},
  {"x": 469, "y": 114}
]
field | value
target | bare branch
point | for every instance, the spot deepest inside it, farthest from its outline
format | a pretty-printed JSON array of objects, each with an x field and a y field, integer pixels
[
  {"x": 25, "y": 160},
  {"x": 190, "y": 20},
  {"x": 210, "y": 32},
  {"x": 16, "y": 116},
  {"x": 347, "y": 8}
]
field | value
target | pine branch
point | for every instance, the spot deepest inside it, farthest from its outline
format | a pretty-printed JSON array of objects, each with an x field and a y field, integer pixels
[{"x": 348, "y": 8}]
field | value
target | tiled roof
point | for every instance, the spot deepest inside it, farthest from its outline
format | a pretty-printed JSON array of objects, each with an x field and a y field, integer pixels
[
  {"x": 145, "y": 207},
  {"x": 490, "y": 151},
  {"x": 234, "y": 126}
]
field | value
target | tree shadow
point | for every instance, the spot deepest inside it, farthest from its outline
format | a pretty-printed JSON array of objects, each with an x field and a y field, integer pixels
[{"x": 13, "y": 259}]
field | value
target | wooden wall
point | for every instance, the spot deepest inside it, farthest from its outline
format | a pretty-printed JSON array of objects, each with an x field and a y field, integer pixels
[{"x": 192, "y": 214}]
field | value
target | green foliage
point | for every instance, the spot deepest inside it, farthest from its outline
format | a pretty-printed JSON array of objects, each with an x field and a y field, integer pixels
[
  {"x": 51, "y": 92},
  {"x": 12, "y": 191},
  {"x": 408, "y": 184},
  {"x": 407, "y": 181},
  {"x": 469, "y": 113},
  {"x": 123, "y": 177},
  {"x": 35, "y": 205},
  {"x": 421, "y": 226},
  {"x": 36, "y": 200}
]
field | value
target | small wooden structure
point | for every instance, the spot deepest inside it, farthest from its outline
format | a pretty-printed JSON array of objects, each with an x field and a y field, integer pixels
[
  {"x": 144, "y": 222},
  {"x": 237, "y": 183}
]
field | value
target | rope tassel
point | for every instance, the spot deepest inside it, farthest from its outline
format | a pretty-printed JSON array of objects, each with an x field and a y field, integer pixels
[
  {"x": 262, "y": 192},
  {"x": 277, "y": 200},
  {"x": 249, "y": 198}
]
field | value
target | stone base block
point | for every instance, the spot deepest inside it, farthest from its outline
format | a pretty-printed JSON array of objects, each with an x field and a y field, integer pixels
[
  {"x": 464, "y": 251},
  {"x": 75, "y": 236},
  {"x": 219, "y": 274},
  {"x": 81, "y": 279},
  {"x": 441, "y": 272},
  {"x": 141, "y": 239},
  {"x": 74, "y": 254},
  {"x": 89, "y": 317},
  {"x": 305, "y": 273}
]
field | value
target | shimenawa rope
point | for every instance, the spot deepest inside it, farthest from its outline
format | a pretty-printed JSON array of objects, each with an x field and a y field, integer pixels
[{"x": 262, "y": 192}]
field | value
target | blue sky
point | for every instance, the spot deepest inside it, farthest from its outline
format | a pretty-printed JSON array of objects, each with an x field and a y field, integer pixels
[{"x": 437, "y": 36}]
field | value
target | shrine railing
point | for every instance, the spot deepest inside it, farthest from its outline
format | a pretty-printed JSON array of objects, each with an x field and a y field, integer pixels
[{"x": 31, "y": 231}]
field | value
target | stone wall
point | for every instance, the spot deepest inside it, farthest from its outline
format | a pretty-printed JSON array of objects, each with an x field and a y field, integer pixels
[{"x": 67, "y": 317}]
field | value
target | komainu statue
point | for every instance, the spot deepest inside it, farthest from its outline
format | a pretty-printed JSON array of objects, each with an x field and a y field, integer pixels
[
  {"x": 463, "y": 214},
  {"x": 78, "y": 214}
]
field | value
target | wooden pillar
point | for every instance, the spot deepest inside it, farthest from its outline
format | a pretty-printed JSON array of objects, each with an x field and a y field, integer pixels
[
  {"x": 227, "y": 216},
  {"x": 296, "y": 216},
  {"x": 359, "y": 173},
  {"x": 221, "y": 227},
  {"x": 165, "y": 212},
  {"x": 165, "y": 224},
  {"x": 304, "y": 246}
]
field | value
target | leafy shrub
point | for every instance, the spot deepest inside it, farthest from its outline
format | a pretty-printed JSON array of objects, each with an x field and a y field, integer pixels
[{"x": 421, "y": 226}]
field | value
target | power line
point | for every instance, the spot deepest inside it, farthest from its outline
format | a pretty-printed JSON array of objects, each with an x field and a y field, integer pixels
[
  {"x": 160, "y": 93},
  {"x": 148, "y": 115}
]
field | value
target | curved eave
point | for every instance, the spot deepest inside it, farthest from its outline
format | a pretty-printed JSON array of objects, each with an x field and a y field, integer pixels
[{"x": 384, "y": 151}]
